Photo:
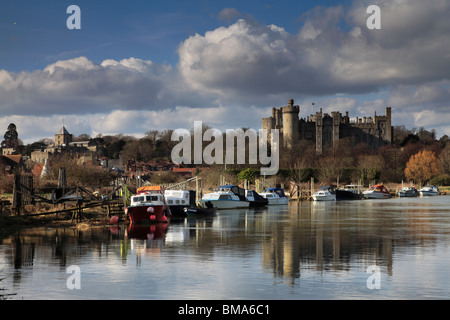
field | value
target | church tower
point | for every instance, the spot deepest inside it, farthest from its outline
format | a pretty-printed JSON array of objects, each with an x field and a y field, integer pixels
[{"x": 63, "y": 137}]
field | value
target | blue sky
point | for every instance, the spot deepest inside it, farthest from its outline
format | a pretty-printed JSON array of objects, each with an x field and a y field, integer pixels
[{"x": 140, "y": 65}]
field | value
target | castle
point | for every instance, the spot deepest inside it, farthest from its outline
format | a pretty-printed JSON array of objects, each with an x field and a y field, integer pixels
[{"x": 326, "y": 130}]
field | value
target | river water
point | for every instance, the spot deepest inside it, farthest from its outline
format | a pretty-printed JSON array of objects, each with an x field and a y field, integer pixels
[{"x": 368, "y": 249}]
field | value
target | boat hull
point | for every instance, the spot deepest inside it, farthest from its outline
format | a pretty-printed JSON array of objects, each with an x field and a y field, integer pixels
[
  {"x": 278, "y": 201},
  {"x": 147, "y": 214},
  {"x": 258, "y": 203},
  {"x": 347, "y": 195},
  {"x": 330, "y": 197},
  {"x": 376, "y": 195},
  {"x": 428, "y": 193},
  {"x": 200, "y": 212},
  {"x": 407, "y": 194},
  {"x": 225, "y": 204}
]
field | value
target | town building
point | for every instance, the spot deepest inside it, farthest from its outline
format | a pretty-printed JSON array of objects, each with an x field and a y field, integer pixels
[
  {"x": 326, "y": 130},
  {"x": 63, "y": 144}
]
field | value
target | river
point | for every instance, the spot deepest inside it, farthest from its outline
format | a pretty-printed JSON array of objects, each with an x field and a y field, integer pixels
[{"x": 369, "y": 249}]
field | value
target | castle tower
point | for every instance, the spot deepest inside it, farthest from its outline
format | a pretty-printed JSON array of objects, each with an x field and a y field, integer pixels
[
  {"x": 388, "y": 133},
  {"x": 290, "y": 123},
  {"x": 336, "y": 126},
  {"x": 319, "y": 132}
]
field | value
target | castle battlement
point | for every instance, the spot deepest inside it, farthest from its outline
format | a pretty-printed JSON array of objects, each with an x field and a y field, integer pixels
[{"x": 326, "y": 130}]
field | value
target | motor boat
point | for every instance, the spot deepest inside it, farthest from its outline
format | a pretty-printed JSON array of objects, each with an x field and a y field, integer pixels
[
  {"x": 377, "y": 191},
  {"x": 275, "y": 196},
  {"x": 225, "y": 197},
  {"x": 324, "y": 194},
  {"x": 194, "y": 211},
  {"x": 349, "y": 192},
  {"x": 429, "y": 191},
  {"x": 148, "y": 206},
  {"x": 177, "y": 200},
  {"x": 408, "y": 192},
  {"x": 255, "y": 199}
]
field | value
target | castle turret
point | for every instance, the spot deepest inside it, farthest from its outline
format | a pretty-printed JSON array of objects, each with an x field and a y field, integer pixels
[
  {"x": 290, "y": 123},
  {"x": 388, "y": 133}
]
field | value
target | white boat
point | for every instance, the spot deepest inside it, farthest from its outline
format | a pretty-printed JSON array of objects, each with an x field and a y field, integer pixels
[
  {"x": 225, "y": 197},
  {"x": 408, "y": 192},
  {"x": 324, "y": 194},
  {"x": 177, "y": 200},
  {"x": 429, "y": 191},
  {"x": 378, "y": 191},
  {"x": 275, "y": 196}
]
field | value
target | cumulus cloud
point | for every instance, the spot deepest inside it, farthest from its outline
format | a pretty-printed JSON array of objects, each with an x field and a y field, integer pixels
[
  {"x": 228, "y": 14},
  {"x": 79, "y": 86},
  {"x": 333, "y": 52},
  {"x": 247, "y": 67}
]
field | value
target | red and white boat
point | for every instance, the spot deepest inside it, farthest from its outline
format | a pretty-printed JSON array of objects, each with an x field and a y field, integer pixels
[
  {"x": 377, "y": 191},
  {"x": 148, "y": 206}
]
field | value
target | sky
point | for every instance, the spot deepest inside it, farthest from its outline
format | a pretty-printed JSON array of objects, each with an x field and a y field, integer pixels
[{"x": 136, "y": 66}]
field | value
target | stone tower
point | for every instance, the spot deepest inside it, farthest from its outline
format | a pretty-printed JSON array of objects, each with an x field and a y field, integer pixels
[
  {"x": 290, "y": 123},
  {"x": 388, "y": 133},
  {"x": 63, "y": 137}
]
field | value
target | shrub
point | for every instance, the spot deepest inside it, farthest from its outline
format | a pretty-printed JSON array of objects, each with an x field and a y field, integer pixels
[{"x": 442, "y": 180}]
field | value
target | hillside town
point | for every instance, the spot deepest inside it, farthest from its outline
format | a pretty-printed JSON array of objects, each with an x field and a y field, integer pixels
[{"x": 342, "y": 150}]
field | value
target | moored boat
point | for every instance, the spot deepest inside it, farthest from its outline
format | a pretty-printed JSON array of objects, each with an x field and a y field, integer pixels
[
  {"x": 324, "y": 194},
  {"x": 349, "y": 192},
  {"x": 200, "y": 212},
  {"x": 377, "y": 191},
  {"x": 408, "y": 192},
  {"x": 255, "y": 199},
  {"x": 275, "y": 196},
  {"x": 225, "y": 197},
  {"x": 429, "y": 191},
  {"x": 148, "y": 206},
  {"x": 177, "y": 200}
]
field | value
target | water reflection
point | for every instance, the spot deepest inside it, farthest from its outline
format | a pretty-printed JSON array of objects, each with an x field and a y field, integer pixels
[{"x": 291, "y": 243}]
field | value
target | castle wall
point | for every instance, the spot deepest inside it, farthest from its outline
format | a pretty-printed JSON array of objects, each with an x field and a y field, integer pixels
[{"x": 325, "y": 130}]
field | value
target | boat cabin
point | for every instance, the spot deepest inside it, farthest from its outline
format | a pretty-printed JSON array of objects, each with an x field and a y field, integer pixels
[
  {"x": 148, "y": 199},
  {"x": 177, "y": 197},
  {"x": 278, "y": 191}
]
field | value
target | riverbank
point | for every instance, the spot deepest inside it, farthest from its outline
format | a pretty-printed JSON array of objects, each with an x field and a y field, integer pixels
[{"x": 12, "y": 223}]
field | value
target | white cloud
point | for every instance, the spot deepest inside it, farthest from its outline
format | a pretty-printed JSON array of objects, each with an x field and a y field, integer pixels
[
  {"x": 79, "y": 85},
  {"x": 230, "y": 76},
  {"x": 250, "y": 58}
]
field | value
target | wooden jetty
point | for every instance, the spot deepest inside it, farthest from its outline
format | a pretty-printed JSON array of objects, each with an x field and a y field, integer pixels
[{"x": 65, "y": 199}]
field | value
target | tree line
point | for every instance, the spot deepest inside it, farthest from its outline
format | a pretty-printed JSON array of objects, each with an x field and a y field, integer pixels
[{"x": 415, "y": 155}]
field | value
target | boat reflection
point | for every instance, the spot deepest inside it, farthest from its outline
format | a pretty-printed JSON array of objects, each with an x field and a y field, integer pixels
[
  {"x": 147, "y": 232},
  {"x": 300, "y": 239}
]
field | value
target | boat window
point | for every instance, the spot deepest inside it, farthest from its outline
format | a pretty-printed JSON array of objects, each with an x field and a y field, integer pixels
[
  {"x": 224, "y": 197},
  {"x": 170, "y": 201}
]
